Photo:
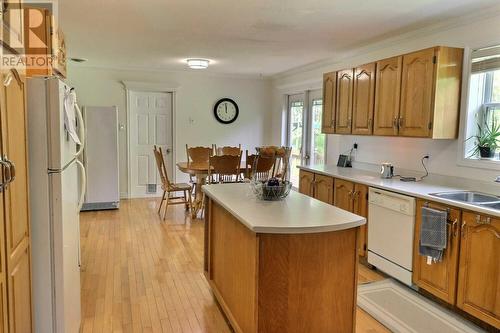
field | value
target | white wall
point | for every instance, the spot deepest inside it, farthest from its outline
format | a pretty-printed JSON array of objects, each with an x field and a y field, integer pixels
[
  {"x": 470, "y": 32},
  {"x": 195, "y": 96}
]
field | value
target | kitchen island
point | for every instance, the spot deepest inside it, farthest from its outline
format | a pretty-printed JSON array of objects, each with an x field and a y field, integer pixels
[{"x": 280, "y": 266}]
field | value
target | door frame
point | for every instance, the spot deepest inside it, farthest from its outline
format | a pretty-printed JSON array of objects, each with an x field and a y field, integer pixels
[
  {"x": 136, "y": 86},
  {"x": 306, "y": 121}
]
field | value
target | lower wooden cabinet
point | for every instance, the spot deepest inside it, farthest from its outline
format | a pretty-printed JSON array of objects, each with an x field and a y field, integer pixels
[
  {"x": 439, "y": 279},
  {"x": 306, "y": 180},
  {"x": 341, "y": 193},
  {"x": 323, "y": 188},
  {"x": 479, "y": 268},
  {"x": 360, "y": 207},
  {"x": 317, "y": 186},
  {"x": 15, "y": 257},
  {"x": 353, "y": 197}
]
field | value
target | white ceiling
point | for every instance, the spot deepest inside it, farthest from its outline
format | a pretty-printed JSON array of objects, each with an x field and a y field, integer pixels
[{"x": 239, "y": 36}]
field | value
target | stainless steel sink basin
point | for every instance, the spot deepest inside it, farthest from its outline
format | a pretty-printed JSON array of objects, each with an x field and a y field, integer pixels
[
  {"x": 495, "y": 205},
  {"x": 470, "y": 197}
]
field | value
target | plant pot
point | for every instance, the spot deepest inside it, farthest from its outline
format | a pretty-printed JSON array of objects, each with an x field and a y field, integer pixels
[{"x": 486, "y": 152}]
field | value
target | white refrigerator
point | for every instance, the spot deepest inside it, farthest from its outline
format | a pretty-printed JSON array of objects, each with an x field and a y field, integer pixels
[
  {"x": 101, "y": 158},
  {"x": 57, "y": 185}
]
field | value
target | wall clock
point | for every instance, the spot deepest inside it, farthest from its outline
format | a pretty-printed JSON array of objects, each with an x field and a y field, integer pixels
[{"x": 226, "y": 111}]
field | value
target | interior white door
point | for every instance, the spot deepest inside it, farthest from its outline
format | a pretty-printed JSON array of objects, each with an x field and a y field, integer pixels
[{"x": 150, "y": 124}]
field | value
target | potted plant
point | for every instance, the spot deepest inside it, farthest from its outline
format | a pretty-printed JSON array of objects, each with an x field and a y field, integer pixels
[{"x": 487, "y": 140}]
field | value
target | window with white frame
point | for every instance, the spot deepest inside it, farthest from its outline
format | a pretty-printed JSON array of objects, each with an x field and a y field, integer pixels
[{"x": 483, "y": 121}]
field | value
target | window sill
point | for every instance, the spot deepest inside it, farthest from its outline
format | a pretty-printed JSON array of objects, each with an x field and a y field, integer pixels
[{"x": 489, "y": 164}]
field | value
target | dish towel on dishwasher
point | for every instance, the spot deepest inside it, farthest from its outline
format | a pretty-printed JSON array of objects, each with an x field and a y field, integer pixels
[{"x": 433, "y": 235}]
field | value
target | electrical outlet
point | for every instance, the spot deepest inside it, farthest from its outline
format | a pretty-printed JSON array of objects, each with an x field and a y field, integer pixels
[
  {"x": 355, "y": 145},
  {"x": 428, "y": 156}
]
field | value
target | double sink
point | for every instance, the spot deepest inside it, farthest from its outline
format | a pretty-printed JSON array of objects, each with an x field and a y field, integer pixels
[{"x": 472, "y": 198}]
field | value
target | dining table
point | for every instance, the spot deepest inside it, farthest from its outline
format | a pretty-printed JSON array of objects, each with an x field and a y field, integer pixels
[{"x": 200, "y": 171}]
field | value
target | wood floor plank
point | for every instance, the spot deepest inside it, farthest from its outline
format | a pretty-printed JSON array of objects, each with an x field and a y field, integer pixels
[{"x": 143, "y": 274}]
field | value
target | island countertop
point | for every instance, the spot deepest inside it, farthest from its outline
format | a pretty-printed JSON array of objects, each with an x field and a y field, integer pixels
[{"x": 296, "y": 214}]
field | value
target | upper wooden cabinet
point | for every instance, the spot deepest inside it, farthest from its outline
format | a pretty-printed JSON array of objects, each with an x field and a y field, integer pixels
[
  {"x": 12, "y": 24},
  {"x": 416, "y": 94},
  {"x": 329, "y": 97},
  {"x": 363, "y": 99},
  {"x": 479, "y": 272},
  {"x": 413, "y": 95},
  {"x": 387, "y": 96},
  {"x": 44, "y": 40},
  {"x": 438, "y": 278},
  {"x": 430, "y": 93},
  {"x": 343, "y": 112}
]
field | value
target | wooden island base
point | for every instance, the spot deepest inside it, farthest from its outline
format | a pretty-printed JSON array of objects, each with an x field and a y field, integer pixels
[{"x": 280, "y": 282}]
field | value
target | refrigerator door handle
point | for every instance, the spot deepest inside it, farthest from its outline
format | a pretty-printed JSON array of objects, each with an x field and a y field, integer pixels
[
  {"x": 81, "y": 130},
  {"x": 83, "y": 184}
]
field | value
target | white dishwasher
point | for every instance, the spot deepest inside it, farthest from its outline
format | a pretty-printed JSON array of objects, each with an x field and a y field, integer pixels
[{"x": 391, "y": 222}]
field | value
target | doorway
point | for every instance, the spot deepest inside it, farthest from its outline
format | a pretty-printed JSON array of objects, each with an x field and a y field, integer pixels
[
  {"x": 150, "y": 123},
  {"x": 304, "y": 114}
]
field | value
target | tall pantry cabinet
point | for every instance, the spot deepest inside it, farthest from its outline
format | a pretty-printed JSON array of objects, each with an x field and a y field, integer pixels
[{"x": 15, "y": 243}]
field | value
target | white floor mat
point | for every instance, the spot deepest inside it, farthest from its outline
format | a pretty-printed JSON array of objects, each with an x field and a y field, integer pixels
[{"x": 403, "y": 310}]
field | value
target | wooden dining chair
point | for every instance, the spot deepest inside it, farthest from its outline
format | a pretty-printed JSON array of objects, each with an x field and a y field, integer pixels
[
  {"x": 197, "y": 155},
  {"x": 224, "y": 169},
  {"x": 227, "y": 150},
  {"x": 262, "y": 170},
  {"x": 170, "y": 188}
]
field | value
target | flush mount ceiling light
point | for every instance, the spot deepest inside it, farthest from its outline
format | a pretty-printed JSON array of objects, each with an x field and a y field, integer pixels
[
  {"x": 79, "y": 60},
  {"x": 197, "y": 63}
]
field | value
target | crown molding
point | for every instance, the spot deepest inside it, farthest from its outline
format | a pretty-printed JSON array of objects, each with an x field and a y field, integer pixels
[
  {"x": 170, "y": 71},
  {"x": 389, "y": 39}
]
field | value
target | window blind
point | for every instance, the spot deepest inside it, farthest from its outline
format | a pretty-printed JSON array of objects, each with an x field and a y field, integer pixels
[{"x": 486, "y": 59}]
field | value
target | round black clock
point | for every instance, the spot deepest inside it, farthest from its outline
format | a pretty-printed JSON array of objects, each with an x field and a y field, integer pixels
[{"x": 226, "y": 111}]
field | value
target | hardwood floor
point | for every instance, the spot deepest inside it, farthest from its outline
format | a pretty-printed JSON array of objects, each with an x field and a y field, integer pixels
[{"x": 142, "y": 274}]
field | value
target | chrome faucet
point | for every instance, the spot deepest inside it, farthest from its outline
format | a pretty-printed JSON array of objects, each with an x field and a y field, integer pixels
[{"x": 498, "y": 179}]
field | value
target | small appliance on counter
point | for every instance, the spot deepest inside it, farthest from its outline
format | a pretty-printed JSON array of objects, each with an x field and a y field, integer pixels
[{"x": 386, "y": 170}]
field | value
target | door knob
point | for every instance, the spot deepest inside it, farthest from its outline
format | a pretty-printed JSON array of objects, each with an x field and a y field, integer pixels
[{"x": 168, "y": 150}]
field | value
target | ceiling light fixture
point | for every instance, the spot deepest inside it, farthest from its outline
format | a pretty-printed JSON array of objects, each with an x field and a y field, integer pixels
[
  {"x": 197, "y": 63},
  {"x": 78, "y": 59}
]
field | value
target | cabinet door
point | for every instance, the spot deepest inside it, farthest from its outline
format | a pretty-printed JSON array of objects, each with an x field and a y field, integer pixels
[
  {"x": 387, "y": 96},
  {"x": 3, "y": 267},
  {"x": 479, "y": 272},
  {"x": 36, "y": 33},
  {"x": 417, "y": 93},
  {"x": 306, "y": 182},
  {"x": 439, "y": 279},
  {"x": 323, "y": 188},
  {"x": 363, "y": 99},
  {"x": 360, "y": 207},
  {"x": 329, "y": 94},
  {"x": 343, "y": 194},
  {"x": 13, "y": 23},
  {"x": 13, "y": 124},
  {"x": 343, "y": 112}
]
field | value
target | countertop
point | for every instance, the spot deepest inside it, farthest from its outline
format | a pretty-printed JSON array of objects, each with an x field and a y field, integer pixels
[
  {"x": 296, "y": 214},
  {"x": 421, "y": 189}
]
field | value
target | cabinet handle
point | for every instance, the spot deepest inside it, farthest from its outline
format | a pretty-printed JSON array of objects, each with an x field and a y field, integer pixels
[
  {"x": 370, "y": 123},
  {"x": 400, "y": 122},
  {"x": 6, "y": 175},
  {"x": 464, "y": 224},
  {"x": 12, "y": 169},
  {"x": 395, "y": 122},
  {"x": 8, "y": 79},
  {"x": 454, "y": 228}
]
